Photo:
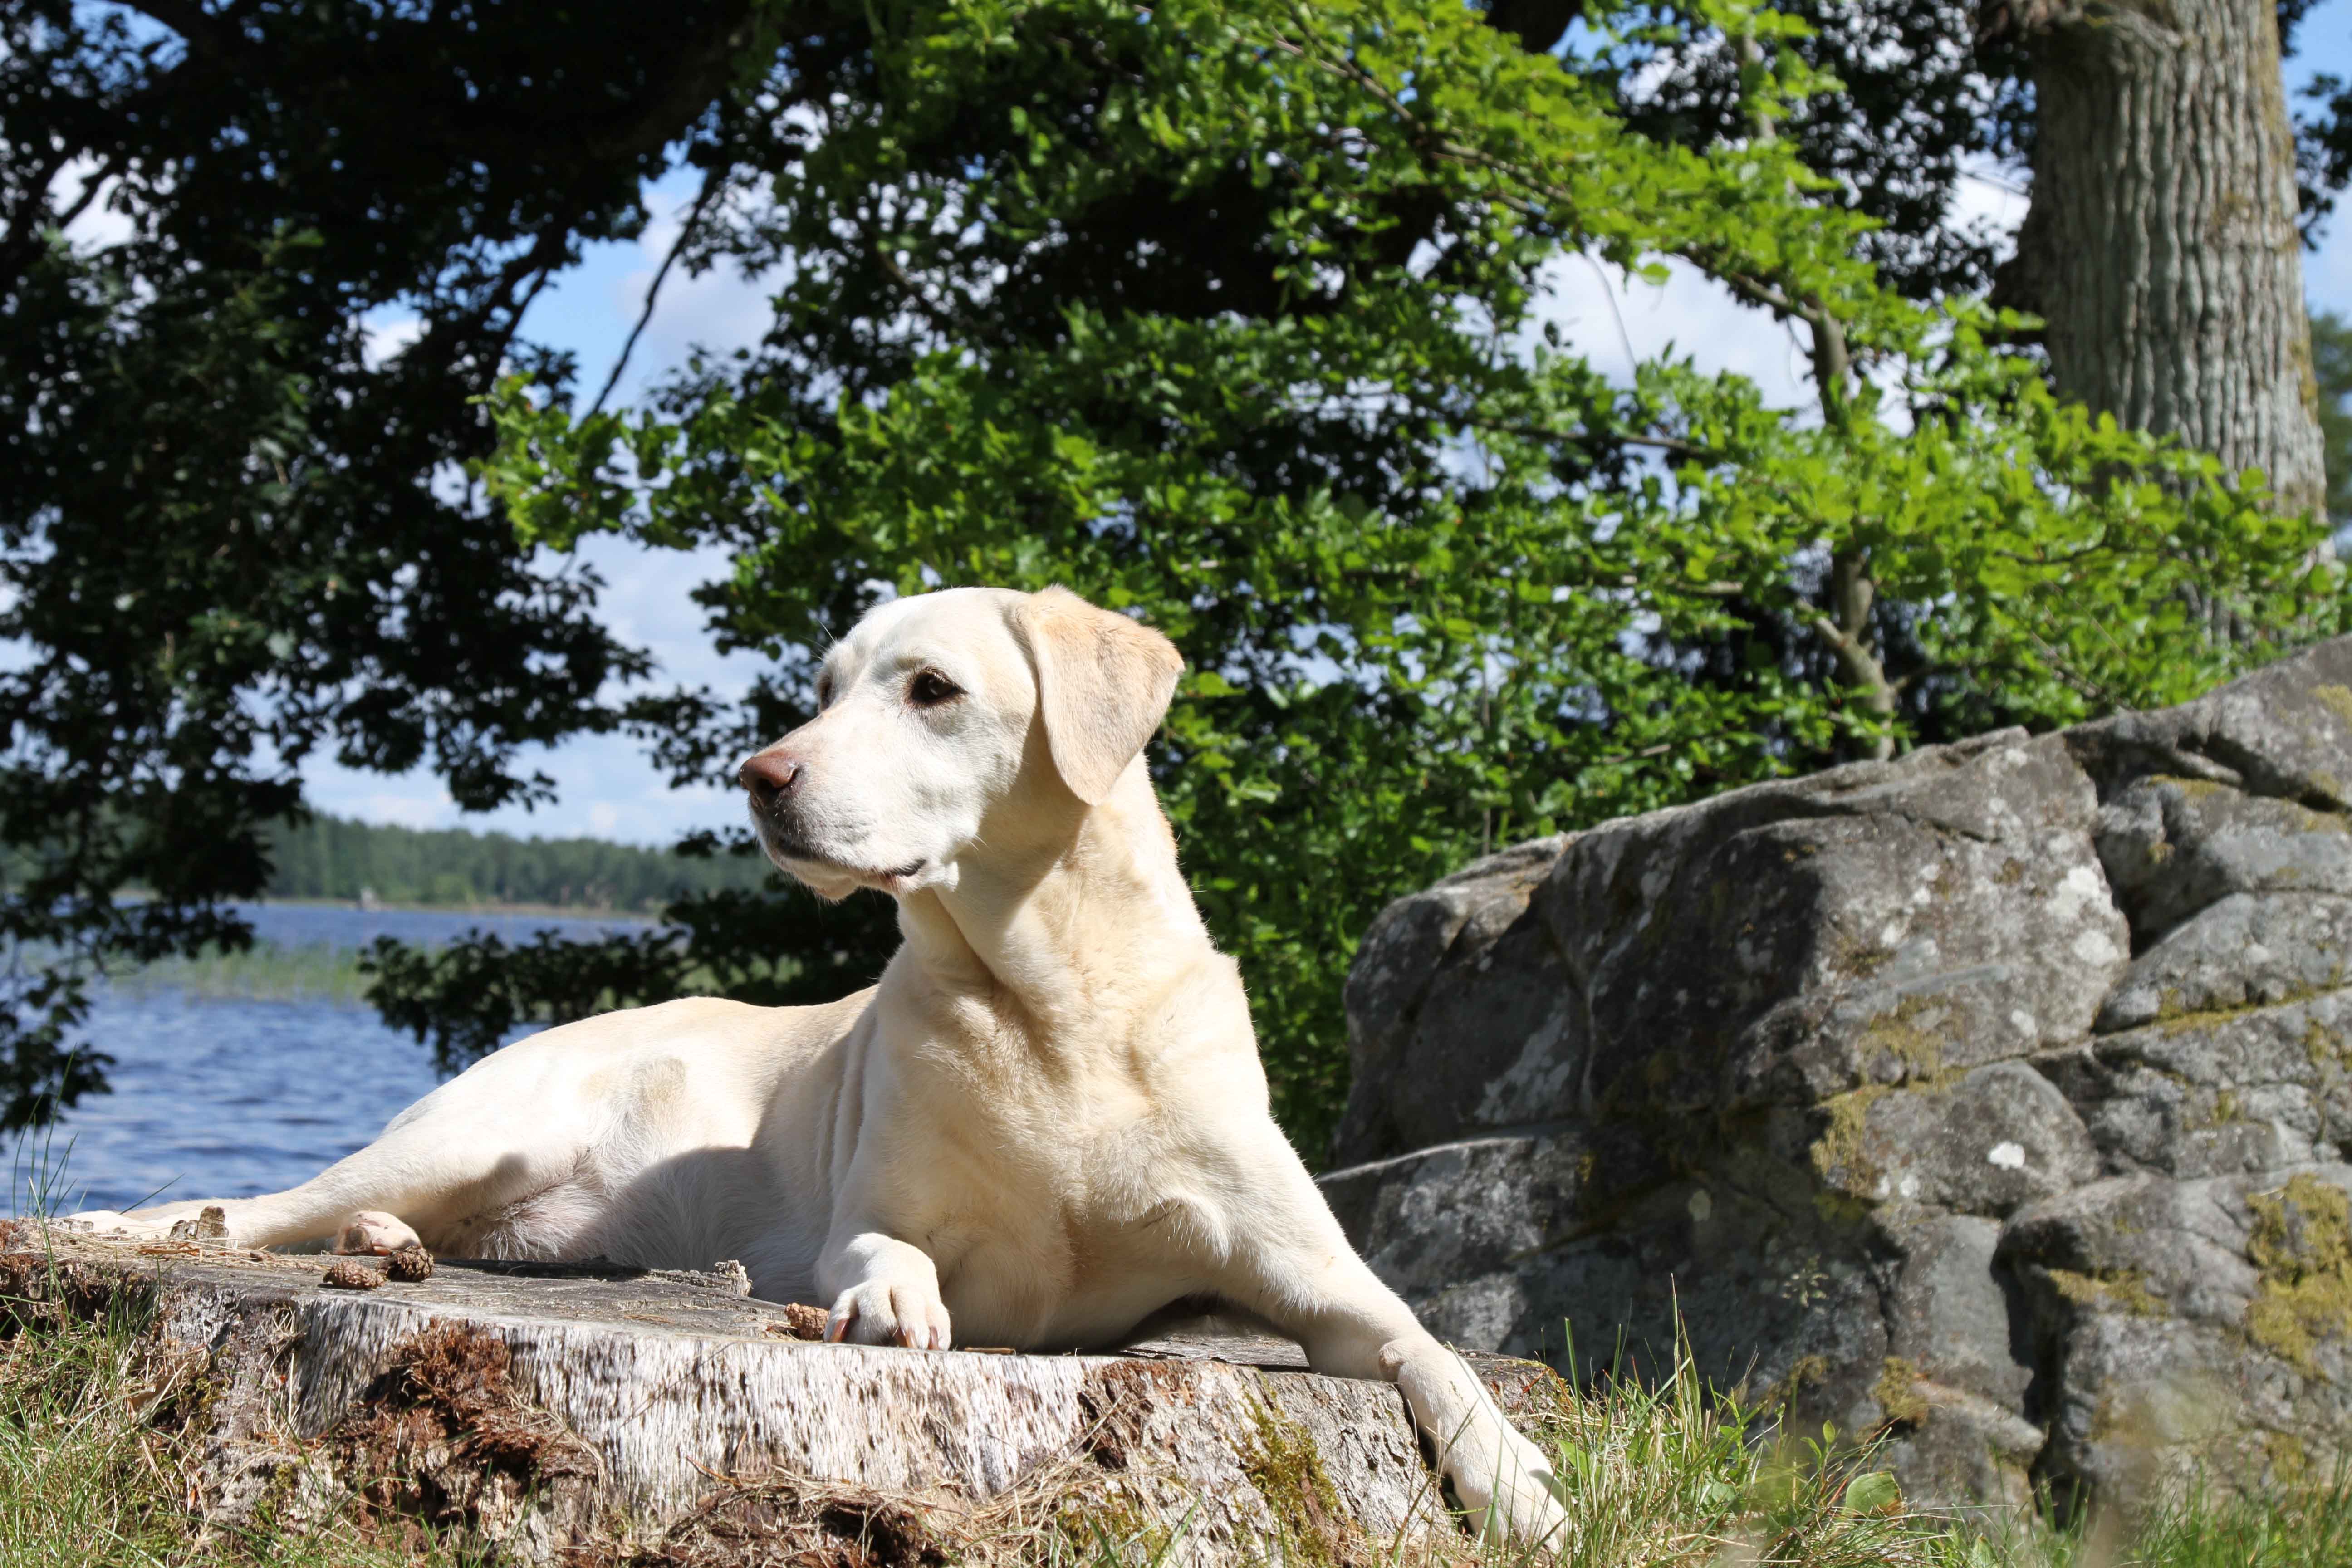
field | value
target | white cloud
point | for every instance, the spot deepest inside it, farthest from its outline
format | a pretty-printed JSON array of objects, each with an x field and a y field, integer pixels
[
  {"x": 99, "y": 224},
  {"x": 1987, "y": 194},
  {"x": 388, "y": 333},
  {"x": 606, "y": 787},
  {"x": 645, "y": 602},
  {"x": 1608, "y": 317},
  {"x": 430, "y": 808},
  {"x": 1615, "y": 321}
]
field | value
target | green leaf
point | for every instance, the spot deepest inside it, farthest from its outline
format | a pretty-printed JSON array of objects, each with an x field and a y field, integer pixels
[{"x": 1875, "y": 1492}]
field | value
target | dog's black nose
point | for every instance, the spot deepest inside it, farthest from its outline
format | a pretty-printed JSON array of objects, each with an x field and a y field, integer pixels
[{"x": 770, "y": 778}]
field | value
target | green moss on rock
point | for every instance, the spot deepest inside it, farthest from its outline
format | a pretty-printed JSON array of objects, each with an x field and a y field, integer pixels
[
  {"x": 1897, "y": 1392},
  {"x": 2336, "y": 699},
  {"x": 2117, "y": 1290},
  {"x": 1903, "y": 1035},
  {"x": 2322, "y": 1044},
  {"x": 1838, "y": 1154},
  {"x": 2300, "y": 1245}
]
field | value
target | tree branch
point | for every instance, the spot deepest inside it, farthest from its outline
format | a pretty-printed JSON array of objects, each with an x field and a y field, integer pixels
[
  {"x": 193, "y": 23},
  {"x": 1846, "y": 630},
  {"x": 1539, "y": 24},
  {"x": 711, "y": 182}
]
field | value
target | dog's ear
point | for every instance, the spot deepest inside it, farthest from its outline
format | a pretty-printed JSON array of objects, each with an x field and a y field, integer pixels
[{"x": 1103, "y": 686}]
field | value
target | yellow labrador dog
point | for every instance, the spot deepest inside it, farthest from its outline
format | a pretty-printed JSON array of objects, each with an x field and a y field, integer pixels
[{"x": 1048, "y": 1120}]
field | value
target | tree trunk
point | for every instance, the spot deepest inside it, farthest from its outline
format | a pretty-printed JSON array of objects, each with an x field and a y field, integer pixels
[{"x": 2161, "y": 247}]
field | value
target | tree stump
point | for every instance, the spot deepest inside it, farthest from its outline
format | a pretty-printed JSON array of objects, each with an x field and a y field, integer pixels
[{"x": 624, "y": 1414}]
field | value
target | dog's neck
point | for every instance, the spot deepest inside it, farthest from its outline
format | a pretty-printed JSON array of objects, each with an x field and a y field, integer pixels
[{"x": 1065, "y": 923}]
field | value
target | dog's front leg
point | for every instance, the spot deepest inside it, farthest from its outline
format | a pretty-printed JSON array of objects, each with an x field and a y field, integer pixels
[
  {"x": 886, "y": 1292},
  {"x": 1291, "y": 1264}
]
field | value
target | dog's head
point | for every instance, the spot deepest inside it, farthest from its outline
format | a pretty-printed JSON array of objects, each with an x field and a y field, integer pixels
[{"x": 948, "y": 718}]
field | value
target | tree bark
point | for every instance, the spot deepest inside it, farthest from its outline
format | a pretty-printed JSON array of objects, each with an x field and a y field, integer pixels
[{"x": 2161, "y": 247}]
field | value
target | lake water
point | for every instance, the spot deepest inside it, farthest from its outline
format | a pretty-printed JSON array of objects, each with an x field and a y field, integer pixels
[{"x": 231, "y": 1096}]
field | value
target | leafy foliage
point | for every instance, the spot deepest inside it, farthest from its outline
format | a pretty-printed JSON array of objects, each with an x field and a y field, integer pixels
[
  {"x": 1244, "y": 317},
  {"x": 236, "y": 536},
  {"x": 1929, "y": 94},
  {"x": 469, "y": 996}
]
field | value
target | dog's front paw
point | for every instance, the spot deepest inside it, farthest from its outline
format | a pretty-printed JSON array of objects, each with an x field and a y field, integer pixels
[
  {"x": 890, "y": 1313},
  {"x": 1508, "y": 1491},
  {"x": 375, "y": 1234}
]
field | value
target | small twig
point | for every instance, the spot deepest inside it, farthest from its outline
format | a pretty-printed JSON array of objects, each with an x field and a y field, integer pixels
[
  {"x": 1682, "y": 447},
  {"x": 1624, "y": 338},
  {"x": 2082, "y": 685},
  {"x": 89, "y": 193},
  {"x": 711, "y": 183}
]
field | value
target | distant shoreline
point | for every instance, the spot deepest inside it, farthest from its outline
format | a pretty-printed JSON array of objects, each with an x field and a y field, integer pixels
[{"x": 406, "y": 907}]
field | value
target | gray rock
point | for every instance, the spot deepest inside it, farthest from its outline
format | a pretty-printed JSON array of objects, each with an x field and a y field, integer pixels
[
  {"x": 1463, "y": 1211},
  {"x": 1781, "y": 943},
  {"x": 1996, "y": 1138},
  {"x": 2171, "y": 846},
  {"x": 1419, "y": 1075},
  {"x": 2214, "y": 1094},
  {"x": 2190, "y": 1326},
  {"x": 1948, "y": 1314},
  {"x": 2248, "y": 949},
  {"x": 1988, "y": 1100},
  {"x": 1966, "y": 1447},
  {"x": 2283, "y": 732},
  {"x": 1764, "y": 1298},
  {"x": 1876, "y": 924}
]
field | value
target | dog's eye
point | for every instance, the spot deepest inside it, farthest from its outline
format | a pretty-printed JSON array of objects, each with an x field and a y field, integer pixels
[
  {"x": 930, "y": 689},
  {"x": 824, "y": 692}
]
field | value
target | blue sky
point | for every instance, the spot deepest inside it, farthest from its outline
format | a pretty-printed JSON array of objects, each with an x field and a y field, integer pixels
[{"x": 606, "y": 787}]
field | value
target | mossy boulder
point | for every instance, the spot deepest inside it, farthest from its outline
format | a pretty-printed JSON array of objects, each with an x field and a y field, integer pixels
[{"x": 1875, "y": 1072}]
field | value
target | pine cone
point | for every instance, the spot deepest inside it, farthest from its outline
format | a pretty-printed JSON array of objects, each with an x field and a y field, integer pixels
[
  {"x": 806, "y": 1322},
  {"x": 351, "y": 1273},
  {"x": 410, "y": 1264}
]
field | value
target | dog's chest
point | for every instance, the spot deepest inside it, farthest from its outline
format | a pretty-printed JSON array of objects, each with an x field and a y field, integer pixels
[
  {"x": 1065, "y": 1251},
  {"x": 1049, "y": 1185}
]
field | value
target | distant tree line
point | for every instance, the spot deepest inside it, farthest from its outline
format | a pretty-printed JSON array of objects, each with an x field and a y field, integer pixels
[{"x": 328, "y": 857}]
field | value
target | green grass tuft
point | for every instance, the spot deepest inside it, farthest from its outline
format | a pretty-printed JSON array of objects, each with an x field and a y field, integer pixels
[{"x": 93, "y": 1464}]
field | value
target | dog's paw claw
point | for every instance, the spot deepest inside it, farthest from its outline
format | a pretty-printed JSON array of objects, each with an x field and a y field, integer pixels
[{"x": 877, "y": 1313}]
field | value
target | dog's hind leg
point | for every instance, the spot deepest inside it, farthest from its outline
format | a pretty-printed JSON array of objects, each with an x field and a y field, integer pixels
[{"x": 422, "y": 1180}]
